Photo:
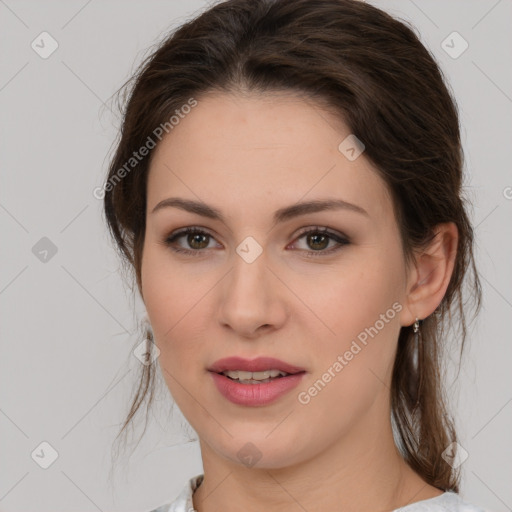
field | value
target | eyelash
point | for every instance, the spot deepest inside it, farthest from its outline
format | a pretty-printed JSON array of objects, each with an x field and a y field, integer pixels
[{"x": 342, "y": 241}]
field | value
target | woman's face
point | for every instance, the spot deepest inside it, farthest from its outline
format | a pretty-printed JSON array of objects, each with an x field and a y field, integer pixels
[{"x": 255, "y": 286}]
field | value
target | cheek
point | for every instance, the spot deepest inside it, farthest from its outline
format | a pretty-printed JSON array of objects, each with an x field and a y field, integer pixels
[
  {"x": 354, "y": 295},
  {"x": 176, "y": 304},
  {"x": 169, "y": 290},
  {"x": 360, "y": 305},
  {"x": 165, "y": 296}
]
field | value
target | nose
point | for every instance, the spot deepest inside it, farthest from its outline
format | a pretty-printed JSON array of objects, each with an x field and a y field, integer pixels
[{"x": 253, "y": 299}]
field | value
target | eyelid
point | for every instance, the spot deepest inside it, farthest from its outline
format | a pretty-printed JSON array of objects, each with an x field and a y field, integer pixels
[
  {"x": 170, "y": 239},
  {"x": 321, "y": 229},
  {"x": 338, "y": 237}
]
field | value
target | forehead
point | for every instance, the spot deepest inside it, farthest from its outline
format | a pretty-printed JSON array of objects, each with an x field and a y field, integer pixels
[{"x": 255, "y": 150}]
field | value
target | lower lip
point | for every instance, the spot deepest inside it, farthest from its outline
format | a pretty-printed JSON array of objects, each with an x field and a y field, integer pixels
[{"x": 255, "y": 394}]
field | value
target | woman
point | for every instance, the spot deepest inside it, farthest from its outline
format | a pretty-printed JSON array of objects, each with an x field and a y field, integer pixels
[{"x": 287, "y": 190}]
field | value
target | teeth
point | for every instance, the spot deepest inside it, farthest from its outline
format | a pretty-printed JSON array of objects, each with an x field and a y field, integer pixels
[{"x": 248, "y": 377}]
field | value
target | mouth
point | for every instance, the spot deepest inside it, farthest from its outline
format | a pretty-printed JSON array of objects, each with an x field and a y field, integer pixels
[
  {"x": 259, "y": 370},
  {"x": 255, "y": 382}
]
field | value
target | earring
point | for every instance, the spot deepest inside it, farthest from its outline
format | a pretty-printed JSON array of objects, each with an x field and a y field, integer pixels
[{"x": 417, "y": 379}]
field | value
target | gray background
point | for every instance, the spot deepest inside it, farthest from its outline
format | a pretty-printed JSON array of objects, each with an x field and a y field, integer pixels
[{"x": 68, "y": 325}]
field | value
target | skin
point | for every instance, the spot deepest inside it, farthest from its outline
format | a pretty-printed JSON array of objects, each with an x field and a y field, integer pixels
[{"x": 249, "y": 155}]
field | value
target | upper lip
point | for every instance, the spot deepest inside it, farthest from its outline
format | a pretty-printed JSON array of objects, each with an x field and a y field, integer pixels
[{"x": 253, "y": 365}]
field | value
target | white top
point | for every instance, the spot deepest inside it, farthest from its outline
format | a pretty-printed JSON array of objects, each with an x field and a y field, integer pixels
[{"x": 446, "y": 502}]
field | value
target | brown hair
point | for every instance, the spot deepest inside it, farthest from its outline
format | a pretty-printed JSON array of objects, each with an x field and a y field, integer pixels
[{"x": 372, "y": 71}]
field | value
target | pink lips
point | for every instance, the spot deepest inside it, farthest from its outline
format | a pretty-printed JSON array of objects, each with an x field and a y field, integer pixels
[
  {"x": 253, "y": 365},
  {"x": 254, "y": 394}
]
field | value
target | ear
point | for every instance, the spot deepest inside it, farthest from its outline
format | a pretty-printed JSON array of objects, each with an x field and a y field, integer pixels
[{"x": 430, "y": 274}]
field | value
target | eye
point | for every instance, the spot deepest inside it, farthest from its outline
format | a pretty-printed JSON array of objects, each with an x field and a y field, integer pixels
[
  {"x": 319, "y": 239},
  {"x": 196, "y": 238}
]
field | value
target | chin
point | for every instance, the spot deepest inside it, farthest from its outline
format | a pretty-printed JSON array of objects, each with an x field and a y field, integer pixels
[{"x": 259, "y": 452}]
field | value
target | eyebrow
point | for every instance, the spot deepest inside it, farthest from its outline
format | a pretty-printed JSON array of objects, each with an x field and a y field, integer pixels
[{"x": 281, "y": 215}]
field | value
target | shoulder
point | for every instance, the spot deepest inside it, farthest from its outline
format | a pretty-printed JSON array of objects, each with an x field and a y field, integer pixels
[
  {"x": 183, "y": 502},
  {"x": 446, "y": 502}
]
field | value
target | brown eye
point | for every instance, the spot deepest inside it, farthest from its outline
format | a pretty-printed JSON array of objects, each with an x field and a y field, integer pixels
[
  {"x": 317, "y": 241},
  {"x": 197, "y": 240}
]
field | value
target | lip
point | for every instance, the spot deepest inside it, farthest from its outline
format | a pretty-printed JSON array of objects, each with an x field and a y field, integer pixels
[
  {"x": 253, "y": 365},
  {"x": 255, "y": 394}
]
